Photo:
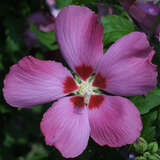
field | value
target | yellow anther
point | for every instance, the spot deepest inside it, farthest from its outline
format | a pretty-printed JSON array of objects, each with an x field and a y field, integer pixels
[{"x": 85, "y": 90}]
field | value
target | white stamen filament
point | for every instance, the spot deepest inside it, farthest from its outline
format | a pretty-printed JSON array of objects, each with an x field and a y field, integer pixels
[{"x": 86, "y": 90}]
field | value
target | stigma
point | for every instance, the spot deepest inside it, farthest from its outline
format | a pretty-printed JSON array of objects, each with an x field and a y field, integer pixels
[{"x": 86, "y": 90}]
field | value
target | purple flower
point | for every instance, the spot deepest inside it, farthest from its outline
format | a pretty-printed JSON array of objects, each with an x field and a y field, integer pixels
[
  {"x": 43, "y": 21},
  {"x": 52, "y": 6},
  {"x": 144, "y": 13},
  {"x": 103, "y": 10},
  {"x": 125, "y": 70}
]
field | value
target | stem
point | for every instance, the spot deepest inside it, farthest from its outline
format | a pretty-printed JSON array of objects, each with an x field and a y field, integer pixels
[{"x": 154, "y": 26}]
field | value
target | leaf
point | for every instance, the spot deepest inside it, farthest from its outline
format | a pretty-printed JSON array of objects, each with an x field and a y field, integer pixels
[
  {"x": 38, "y": 152},
  {"x": 149, "y": 130},
  {"x": 3, "y": 109},
  {"x": 63, "y": 3},
  {"x": 115, "y": 27},
  {"x": 47, "y": 39},
  {"x": 147, "y": 102},
  {"x": 11, "y": 45},
  {"x": 1, "y": 63},
  {"x": 81, "y": 2},
  {"x": 9, "y": 140},
  {"x": 13, "y": 34}
]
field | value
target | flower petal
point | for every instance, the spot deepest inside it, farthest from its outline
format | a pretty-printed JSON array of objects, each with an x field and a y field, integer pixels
[
  {"x": 126, "y": 69},
  {"x": 80, "y": 38},
  {"x": 116, "y": 122},
  {"x": 66, "y": 126},
  {"x": 32, "y": 82}
]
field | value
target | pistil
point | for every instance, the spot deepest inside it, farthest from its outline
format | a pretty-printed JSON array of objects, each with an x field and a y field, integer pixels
[{"x": 86, "y": 90}]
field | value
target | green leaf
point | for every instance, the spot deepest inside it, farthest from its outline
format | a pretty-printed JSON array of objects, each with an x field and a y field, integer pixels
[
  {"x": 13, "y": 34},
  {"x": 47, "y": 39},
  {"x": 63, "y": 3},
  {"x": 115, "y": 27},
  {"x": 9, "y": 140},
  {"x": 81, "y": 2},
  {"x": 140, "y": 145},
  {"x": 3, "y": 109},
  {"x": 38, "y": 152},
  {"x": 149, "y": 130},
  {"x": 11, "y": 45},
  {"x": 1, "y": 63},
  {"x": 147, "y": 102},
  {"x": 153, "y": 147}
]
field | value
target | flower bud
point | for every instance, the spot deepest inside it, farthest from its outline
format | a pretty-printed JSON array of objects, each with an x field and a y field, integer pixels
[
  {"x": 156, "y": 155},
  {"x": 152, "y": 157},
  {"x": 131, "y": 156},
  {"x": 153, "y": 147},
  {"x": 140, "y": 158},
  {"x": 146, "y": 154},
  {"x": 140, "y": 145}
]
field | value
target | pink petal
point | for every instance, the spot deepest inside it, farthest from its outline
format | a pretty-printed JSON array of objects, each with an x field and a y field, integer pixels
[
  {"x": 116, "y": 122},
  {"x": 80, "y": 38},
  {"x": 126, "y": 69},
  {"x": 32, "y": 82},
  {"x": 66, "y": 126}
]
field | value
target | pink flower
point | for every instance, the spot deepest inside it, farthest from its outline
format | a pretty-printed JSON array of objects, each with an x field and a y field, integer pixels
[
  {"x": 125, "y": 69},
  {"x": 144, "y": 13},
  {"x": 52, "y": 6}
]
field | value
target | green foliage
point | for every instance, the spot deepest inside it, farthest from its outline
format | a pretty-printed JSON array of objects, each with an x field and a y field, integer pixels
[
  {"x": 153, "y": 147},
  {"x": 13, "y": 33},
  {"x": 140, "y": 145},
  {"x": 47, "y": 39},
  {"x": 63, "y": 3},
  {"x": 146, "y": 154},
  {"x": 115, "y": 27},
  {"x": 149, "y": 126},
  {"x": 146, "y": 151},
  {"x": 81, "y": 2},
  {"x": 3, "y": 109},
  {"x": 20, "y": 135},
  {"x": 11, "y": 45},
  {"x": 140, "y": 158},
  {"x": 37, "y": 152},
  {"x": 147, "y": 102}
]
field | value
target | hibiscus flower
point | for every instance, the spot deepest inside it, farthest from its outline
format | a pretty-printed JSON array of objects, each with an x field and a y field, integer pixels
[
  {"x": 145, "y": 13},
  {"x": 124, "y": 70}
]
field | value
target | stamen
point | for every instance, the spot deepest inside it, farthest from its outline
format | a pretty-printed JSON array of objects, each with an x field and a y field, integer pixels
[{"x": 86, "y": 90}]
